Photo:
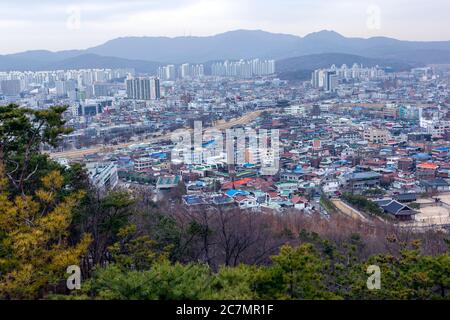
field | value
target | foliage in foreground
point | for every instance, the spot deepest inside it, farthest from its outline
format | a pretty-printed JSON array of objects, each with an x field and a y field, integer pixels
[
  {"x": 34, "y": 249},
  {"x": 295, "y": 273},
  {"x": 37, "y": 199}
]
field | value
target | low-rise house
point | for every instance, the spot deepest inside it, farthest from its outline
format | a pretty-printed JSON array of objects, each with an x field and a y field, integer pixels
[
  {"x": 232, "y": 193},
  {"x": 406, "y": 197},
  {"x": 291, "y": 176},
  {"x": 396, "y": 209},
  {"x": 404, "y": 181},
  {"x": 221, "y": 200},
  {"x": 438, "y": 184},
  {"x": 286, "y": 186},
  {"x": 300, "y": 202},
  {"x": 168, "y": 182},
  {"x": 359, "y": 181},
  {"x": 194, "y": 200},
  {"x": 195, "y": 187},
  {"x": 237, "y": 183},
  {"x": 246, "y": 202},
  {"x": 330, "y": 186},
  {"x": 259, "y": 195},
  {"x": 142, "y": 164},
  {"x": 426, "y": 171}
]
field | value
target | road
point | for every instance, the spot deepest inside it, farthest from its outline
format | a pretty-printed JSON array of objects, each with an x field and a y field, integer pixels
[
  {"x": 79, "y": 153},
  {"x": 348, "y": 211}
]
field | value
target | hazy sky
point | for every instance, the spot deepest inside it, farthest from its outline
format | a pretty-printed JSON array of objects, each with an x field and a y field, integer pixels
[{"x": 78, "y": 24}]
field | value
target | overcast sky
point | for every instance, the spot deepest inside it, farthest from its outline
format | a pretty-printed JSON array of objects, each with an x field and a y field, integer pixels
[{"x": 79, "y": 24}]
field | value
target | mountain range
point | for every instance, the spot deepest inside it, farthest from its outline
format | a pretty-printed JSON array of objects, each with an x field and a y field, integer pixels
[{"x": 293, "y": 53}]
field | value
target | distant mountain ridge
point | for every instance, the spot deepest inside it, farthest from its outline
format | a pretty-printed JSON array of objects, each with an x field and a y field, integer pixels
[
  {"x": 146, "y": 53},
  {"x": 230, "y": 45},
  {"x": 55, "y": 61},
  {"x": 247, "y": 44}
]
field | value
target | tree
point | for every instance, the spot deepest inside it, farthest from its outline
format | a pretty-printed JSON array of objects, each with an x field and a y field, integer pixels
[
  {"x": 409, "y": 276},
  {"x": 234, "y": 283},
  {"x": 167, "y": 281},
  {"x": 163, "y": 281},
  {"x": 362, "y": 203},
  {"x": 296, "y": 273},
  {"x": 23, "y": 132},
  {"x": 136, "y": 252},
  {"x": 35, "y": 251},
  {"x": 103, "y": 218}
]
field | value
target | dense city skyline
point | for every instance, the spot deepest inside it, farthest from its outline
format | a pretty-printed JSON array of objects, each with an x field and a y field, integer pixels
[{"x": 81, "y": 24}]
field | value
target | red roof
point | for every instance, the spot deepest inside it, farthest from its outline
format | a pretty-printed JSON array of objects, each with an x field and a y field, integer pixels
[
  {"x": 232, "y": 185},
  {"x": 298, "y": 199},
  {"x": 272, "y": 194},
  {"x": 240, "y": 198},
  {"x": 428, "y": 166}
]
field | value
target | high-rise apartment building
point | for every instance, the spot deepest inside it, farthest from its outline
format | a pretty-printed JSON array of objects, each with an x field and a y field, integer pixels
[
  {"x": 331, "y": 81},
  {"x": 184, "y": 70},
  {"x": 328, "y": 79},
  {"x": 243, "y": 68},
  {"x": 63, "y": 87},
  {"x": 143, "y": 88},
  {"x": 10, "y": 87},
  {"x": 167, "y": 72},
  {"x": 155, "y": 89}
]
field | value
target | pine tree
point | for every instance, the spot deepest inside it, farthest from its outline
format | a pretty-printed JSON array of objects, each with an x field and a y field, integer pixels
[{"x": 35, "y": 251}]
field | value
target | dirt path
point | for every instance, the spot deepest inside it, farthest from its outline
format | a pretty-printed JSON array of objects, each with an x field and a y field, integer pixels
[{"x": 349, "y": 211}]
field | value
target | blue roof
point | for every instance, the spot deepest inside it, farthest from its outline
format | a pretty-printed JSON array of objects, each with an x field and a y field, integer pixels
[
  {"x": 298, "y": 169},
  {"x": 208, "y": 143},
  {"x": 221, "y": 200},
  {"x": 193, "y": 199},
  {"x": 421, "y": 156},
  {"x": 159, "y": 155},
  {"x": 233, "y": 193}
]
